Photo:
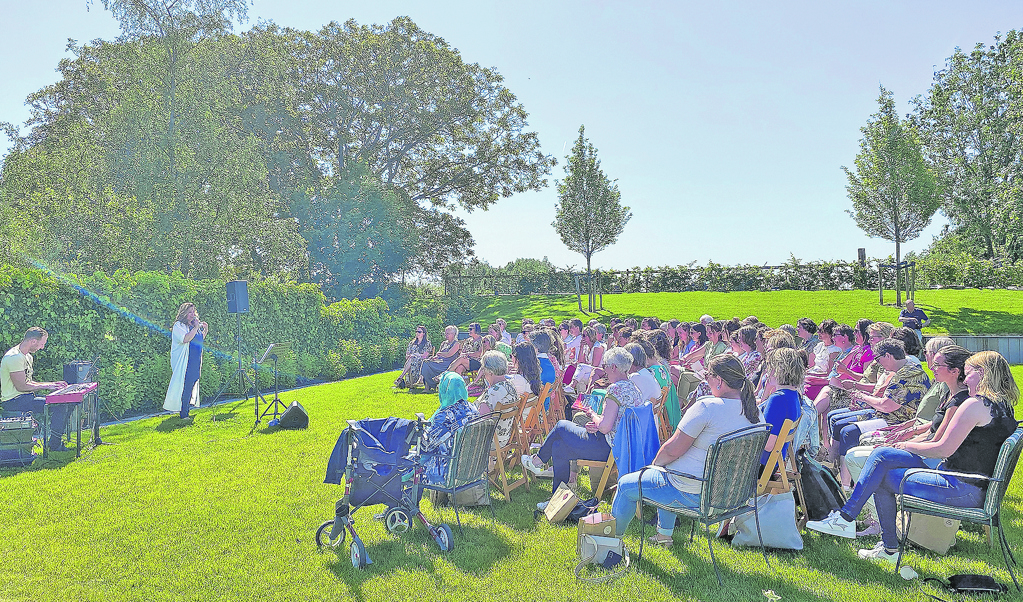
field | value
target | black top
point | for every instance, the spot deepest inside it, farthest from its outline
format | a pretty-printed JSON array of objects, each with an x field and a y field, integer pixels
[
  {"x": 978, "y": 453},
  {"x": 951, "y": 402}
]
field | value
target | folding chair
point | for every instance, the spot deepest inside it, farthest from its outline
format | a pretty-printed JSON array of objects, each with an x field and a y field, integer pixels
[
  {"x": 508, "y": 455},
  {"x": 531, "y": 424},
  {"x": 727, "y": 488},
  {"x": 780, "y": 474},
  {"x": 990, "y": 514},
  {"x": 661, "y": 415},
  {"x": 606, "y": 468}
]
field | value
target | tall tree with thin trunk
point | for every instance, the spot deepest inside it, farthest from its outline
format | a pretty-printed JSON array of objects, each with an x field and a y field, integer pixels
[
  {"x": 589, "y": 216},
  {"x": 893, "y": 192}
]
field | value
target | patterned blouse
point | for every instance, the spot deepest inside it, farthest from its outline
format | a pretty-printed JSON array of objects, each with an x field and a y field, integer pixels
[
  {"x": 906, "y": 388},
  {"x": 502, "y": 393},
  {"x": 627, "y": 395},
  {"x": 471, "y": 345}
]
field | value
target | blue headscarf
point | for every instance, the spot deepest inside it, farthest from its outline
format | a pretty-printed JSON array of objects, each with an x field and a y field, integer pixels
[{"x": 451, "y": 389}]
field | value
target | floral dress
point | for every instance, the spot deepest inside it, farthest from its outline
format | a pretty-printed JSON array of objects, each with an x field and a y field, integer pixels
[
  {"x": 501, "y": 393},
  {"x": 415, "y": 367},
  {"x": 437, "y": 441}
]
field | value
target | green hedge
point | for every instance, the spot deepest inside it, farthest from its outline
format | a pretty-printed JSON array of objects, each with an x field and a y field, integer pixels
[{"x": 125, "y": 318}]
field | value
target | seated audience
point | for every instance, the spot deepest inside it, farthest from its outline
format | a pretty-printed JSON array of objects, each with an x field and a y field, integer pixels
[
  {"x": 505, "y": 337},
  {"x": 418, "y": 351},
  {"x": 842, "y": 338},
  {"x": 569, "y": 441},
  {"x": 806, "y": 329},
  {"x": 500, "y": 390},
  {"x": 433, "y": 368},
  {"x": 472, "y": 350},
  {"x": 894, "y": 400},
  {"x": 969, "y": 441},
  {"x": 640, "y": 374},
  {"x": 731, "y": 406},
  {"x": 824, "y": 354}
]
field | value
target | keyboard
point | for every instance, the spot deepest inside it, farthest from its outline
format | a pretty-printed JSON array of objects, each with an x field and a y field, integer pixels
[{"x": 71, "y": 393}]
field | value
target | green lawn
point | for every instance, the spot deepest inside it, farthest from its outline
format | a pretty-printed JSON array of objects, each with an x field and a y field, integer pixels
[
  {"x": 204, "y": 511},
  {"x": 970, "y": 311}
]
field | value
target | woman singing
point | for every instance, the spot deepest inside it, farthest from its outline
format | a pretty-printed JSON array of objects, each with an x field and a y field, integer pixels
[{"x": 186, "y": 360}]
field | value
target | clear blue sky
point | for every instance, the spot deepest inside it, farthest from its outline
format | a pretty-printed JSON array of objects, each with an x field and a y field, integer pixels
[{"x": 725, "y": 125}]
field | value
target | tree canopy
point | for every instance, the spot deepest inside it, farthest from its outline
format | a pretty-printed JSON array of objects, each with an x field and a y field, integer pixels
[
  {"x": 589, "y": 215},
  {"x": 893, "y": 193},
  {"x": 970, "y": 123},
  {"x": 182, "y": 146}
]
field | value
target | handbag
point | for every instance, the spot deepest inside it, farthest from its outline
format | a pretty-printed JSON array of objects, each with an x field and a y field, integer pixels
[
  {"x": 821, "y": 490},
  {"x": 777, "y": 514},
  {"x": 608, "y": 552},
  {"x": 970, "y": 584}
]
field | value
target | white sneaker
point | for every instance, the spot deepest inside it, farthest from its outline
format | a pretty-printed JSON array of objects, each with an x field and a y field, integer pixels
[
  {"x": 528, "y": 462},
  {"x": 541, "y": 506},
  {"x": 834, "y": 524},
  {"x": 879, "y": 553}
]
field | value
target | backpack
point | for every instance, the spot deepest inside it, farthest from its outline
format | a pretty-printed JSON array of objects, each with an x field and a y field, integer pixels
[{"x": 821, "y": 490}]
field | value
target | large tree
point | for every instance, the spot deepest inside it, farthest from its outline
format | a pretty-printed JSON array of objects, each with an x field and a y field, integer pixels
[
  {"x": 101, "y": 143},
  {"x": 589, "y": 216},
  {"x": 970, "y": 124},
  {"x": 893, "y": 192},
  {"x": 404, "y": 103}
]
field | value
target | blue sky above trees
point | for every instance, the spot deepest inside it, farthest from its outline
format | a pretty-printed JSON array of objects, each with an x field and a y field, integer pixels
[{"x": 725, "y": 127}]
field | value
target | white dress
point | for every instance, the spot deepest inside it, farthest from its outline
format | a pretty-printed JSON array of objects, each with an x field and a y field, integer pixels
[{"x": 179, "y": 363}]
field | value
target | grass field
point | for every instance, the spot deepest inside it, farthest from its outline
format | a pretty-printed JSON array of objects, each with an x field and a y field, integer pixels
[
  {"x": 971, "y": 311},
  {"x": 205, "y": 511}
]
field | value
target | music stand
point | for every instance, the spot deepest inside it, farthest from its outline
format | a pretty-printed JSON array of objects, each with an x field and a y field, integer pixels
[{"x": 272, "y": 352}]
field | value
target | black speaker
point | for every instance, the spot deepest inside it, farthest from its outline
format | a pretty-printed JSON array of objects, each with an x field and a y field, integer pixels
[
  {"x": 294, "y": 417},
  {"x": 238, "y": 297},
  {"x": 76, "y": 372}
]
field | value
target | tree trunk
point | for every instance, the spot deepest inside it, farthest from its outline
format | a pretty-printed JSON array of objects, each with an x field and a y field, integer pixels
[
  {"x": 589, "y": 286},
  {"x": 898, "y": 274}
]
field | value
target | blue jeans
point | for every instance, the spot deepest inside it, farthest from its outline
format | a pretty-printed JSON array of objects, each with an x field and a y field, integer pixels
[
  {"x": 28, "y": 402},
  {"x": 568, "y": 441},
  {"x": 881, "y": 477},
  {"x": 656, "y": 487},
  {"x": 844, "y": 431}
]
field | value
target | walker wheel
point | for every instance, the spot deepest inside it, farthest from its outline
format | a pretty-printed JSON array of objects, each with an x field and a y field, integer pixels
[
  {"x": 397, "y": 520},
  {"x": 358, "y": 554},
  {"x": 444, "y": 538},
  {"x": 323, "y": 539}
]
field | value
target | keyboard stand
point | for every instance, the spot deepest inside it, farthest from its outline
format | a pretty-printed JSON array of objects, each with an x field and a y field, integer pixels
[{"x": 46, "y": 430}]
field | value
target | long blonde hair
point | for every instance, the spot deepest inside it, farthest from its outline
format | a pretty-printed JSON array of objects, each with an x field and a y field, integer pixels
[
  {"x": 729, "y": 369},
  {"x": 996, "y": 383},
  {"x": 183, "y": 311}
]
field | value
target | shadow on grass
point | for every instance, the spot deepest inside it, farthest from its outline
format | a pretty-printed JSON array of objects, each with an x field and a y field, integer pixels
[
  {"x": 174, "y": 423},
  {"x": 967, "y": 319},
  {"x": 476, "y": 551},
  {"x": 55, "y": 461}
]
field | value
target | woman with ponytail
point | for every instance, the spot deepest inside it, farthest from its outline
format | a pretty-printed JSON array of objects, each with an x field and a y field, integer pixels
[{"x": 732, "y": 406}]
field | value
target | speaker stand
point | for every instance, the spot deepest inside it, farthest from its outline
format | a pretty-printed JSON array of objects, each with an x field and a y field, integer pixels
[{"x": 243, "y": 379}]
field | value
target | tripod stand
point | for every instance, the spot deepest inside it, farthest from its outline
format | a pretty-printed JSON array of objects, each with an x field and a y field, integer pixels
[
  {"x": 243, "y": 378},
  {"x": 275, "y": 405}
]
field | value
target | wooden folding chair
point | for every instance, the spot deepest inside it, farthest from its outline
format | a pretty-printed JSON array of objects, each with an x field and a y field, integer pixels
[
  {"x": 530, "y": 426},
  {"x": 508, "y": 455},
  {"x": 546, "y": 413},
  {"x": 780, "y": 474},
  {"x": 606, "y": 468},
  {"x": 661, "y": 415}
]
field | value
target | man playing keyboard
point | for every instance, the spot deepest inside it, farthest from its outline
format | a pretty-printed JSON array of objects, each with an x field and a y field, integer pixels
[{"x": 18, "y": 390}]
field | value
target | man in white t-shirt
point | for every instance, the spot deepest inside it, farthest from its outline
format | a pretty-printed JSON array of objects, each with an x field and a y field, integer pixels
[{"x": 18, "y": 390}]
